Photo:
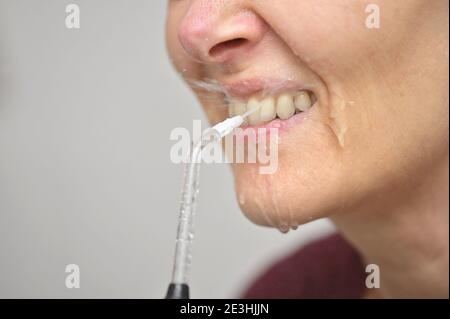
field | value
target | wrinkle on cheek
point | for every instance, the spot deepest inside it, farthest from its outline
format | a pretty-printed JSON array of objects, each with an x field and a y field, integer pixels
[
  {"x": 334, "y": 110},
  {"x": 338, "y": 119}
]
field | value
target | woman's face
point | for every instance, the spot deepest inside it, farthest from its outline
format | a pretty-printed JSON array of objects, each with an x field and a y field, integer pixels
[{"x": 362, "y": 112}]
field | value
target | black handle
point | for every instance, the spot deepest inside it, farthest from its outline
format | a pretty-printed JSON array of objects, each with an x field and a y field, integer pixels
[{"x": 178, "y": 291}]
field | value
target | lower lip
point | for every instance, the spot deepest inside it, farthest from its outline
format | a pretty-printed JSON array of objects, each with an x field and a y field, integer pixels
[{"x": 282, "y": 126}]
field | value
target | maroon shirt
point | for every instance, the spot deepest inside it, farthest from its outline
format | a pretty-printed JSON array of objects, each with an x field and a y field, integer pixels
[{"x": 327, "y": 268}]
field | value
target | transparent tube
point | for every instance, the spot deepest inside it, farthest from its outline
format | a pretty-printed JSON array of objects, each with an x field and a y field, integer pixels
[{"x": 188, "y": 206}]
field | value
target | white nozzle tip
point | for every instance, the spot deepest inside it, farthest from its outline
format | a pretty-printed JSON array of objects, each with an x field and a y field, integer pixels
[{"x": 226, "y": 127}]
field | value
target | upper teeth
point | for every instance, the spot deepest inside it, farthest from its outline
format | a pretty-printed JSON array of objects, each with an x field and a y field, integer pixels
[{"x": 284, "y": 106}]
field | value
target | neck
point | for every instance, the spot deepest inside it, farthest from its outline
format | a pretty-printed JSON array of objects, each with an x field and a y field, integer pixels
[{"x": 407, "y": 237}]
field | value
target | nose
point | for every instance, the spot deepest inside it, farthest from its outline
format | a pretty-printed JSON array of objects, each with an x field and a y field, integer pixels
[{"x": 219, "y": 31}]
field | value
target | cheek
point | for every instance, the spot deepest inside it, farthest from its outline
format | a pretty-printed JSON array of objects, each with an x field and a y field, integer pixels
[
  {"x": 311, "y": 29},
  {"x": 331, "y": 37}
]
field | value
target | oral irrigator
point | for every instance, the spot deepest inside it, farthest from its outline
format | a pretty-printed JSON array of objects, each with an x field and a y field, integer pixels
[{"x": 179, "y": 288}]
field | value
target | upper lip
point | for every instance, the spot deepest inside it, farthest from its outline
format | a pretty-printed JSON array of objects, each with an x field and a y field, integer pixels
[{"x": 244, "y": 88}]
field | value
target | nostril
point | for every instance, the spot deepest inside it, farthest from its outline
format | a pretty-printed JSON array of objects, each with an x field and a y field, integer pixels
[{"x": 224, "y": 46}]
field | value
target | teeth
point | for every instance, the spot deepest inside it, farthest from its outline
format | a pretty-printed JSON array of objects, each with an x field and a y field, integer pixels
[
  {"x": 285, "y": 106},
  {"x": 253, "y": 119},
  {"x": 271, "y": 107},
  {"x": 267, "y": 110},
  {"x": 239, "y": 108},
  {"x": 231, "y": 111},
  {"x": 302, "y": 101}
]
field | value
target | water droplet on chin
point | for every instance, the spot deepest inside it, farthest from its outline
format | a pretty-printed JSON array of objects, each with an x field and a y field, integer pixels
[
  {"x": 241, "y": 199},
  {"x": 284, "y": 228}
]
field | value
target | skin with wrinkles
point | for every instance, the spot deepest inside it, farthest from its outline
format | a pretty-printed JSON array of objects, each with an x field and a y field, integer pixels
[{"x": 372, "y": 152}]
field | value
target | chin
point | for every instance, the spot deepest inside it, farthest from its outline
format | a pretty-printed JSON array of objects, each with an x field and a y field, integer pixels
[{"x": 307, "y": 184}]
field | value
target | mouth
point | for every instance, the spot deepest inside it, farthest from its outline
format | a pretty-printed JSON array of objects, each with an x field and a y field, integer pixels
[{"x": 278, "y": 103}]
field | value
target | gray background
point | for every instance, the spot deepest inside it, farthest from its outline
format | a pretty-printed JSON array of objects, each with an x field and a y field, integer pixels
[{"x": 85, "y": 174}]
